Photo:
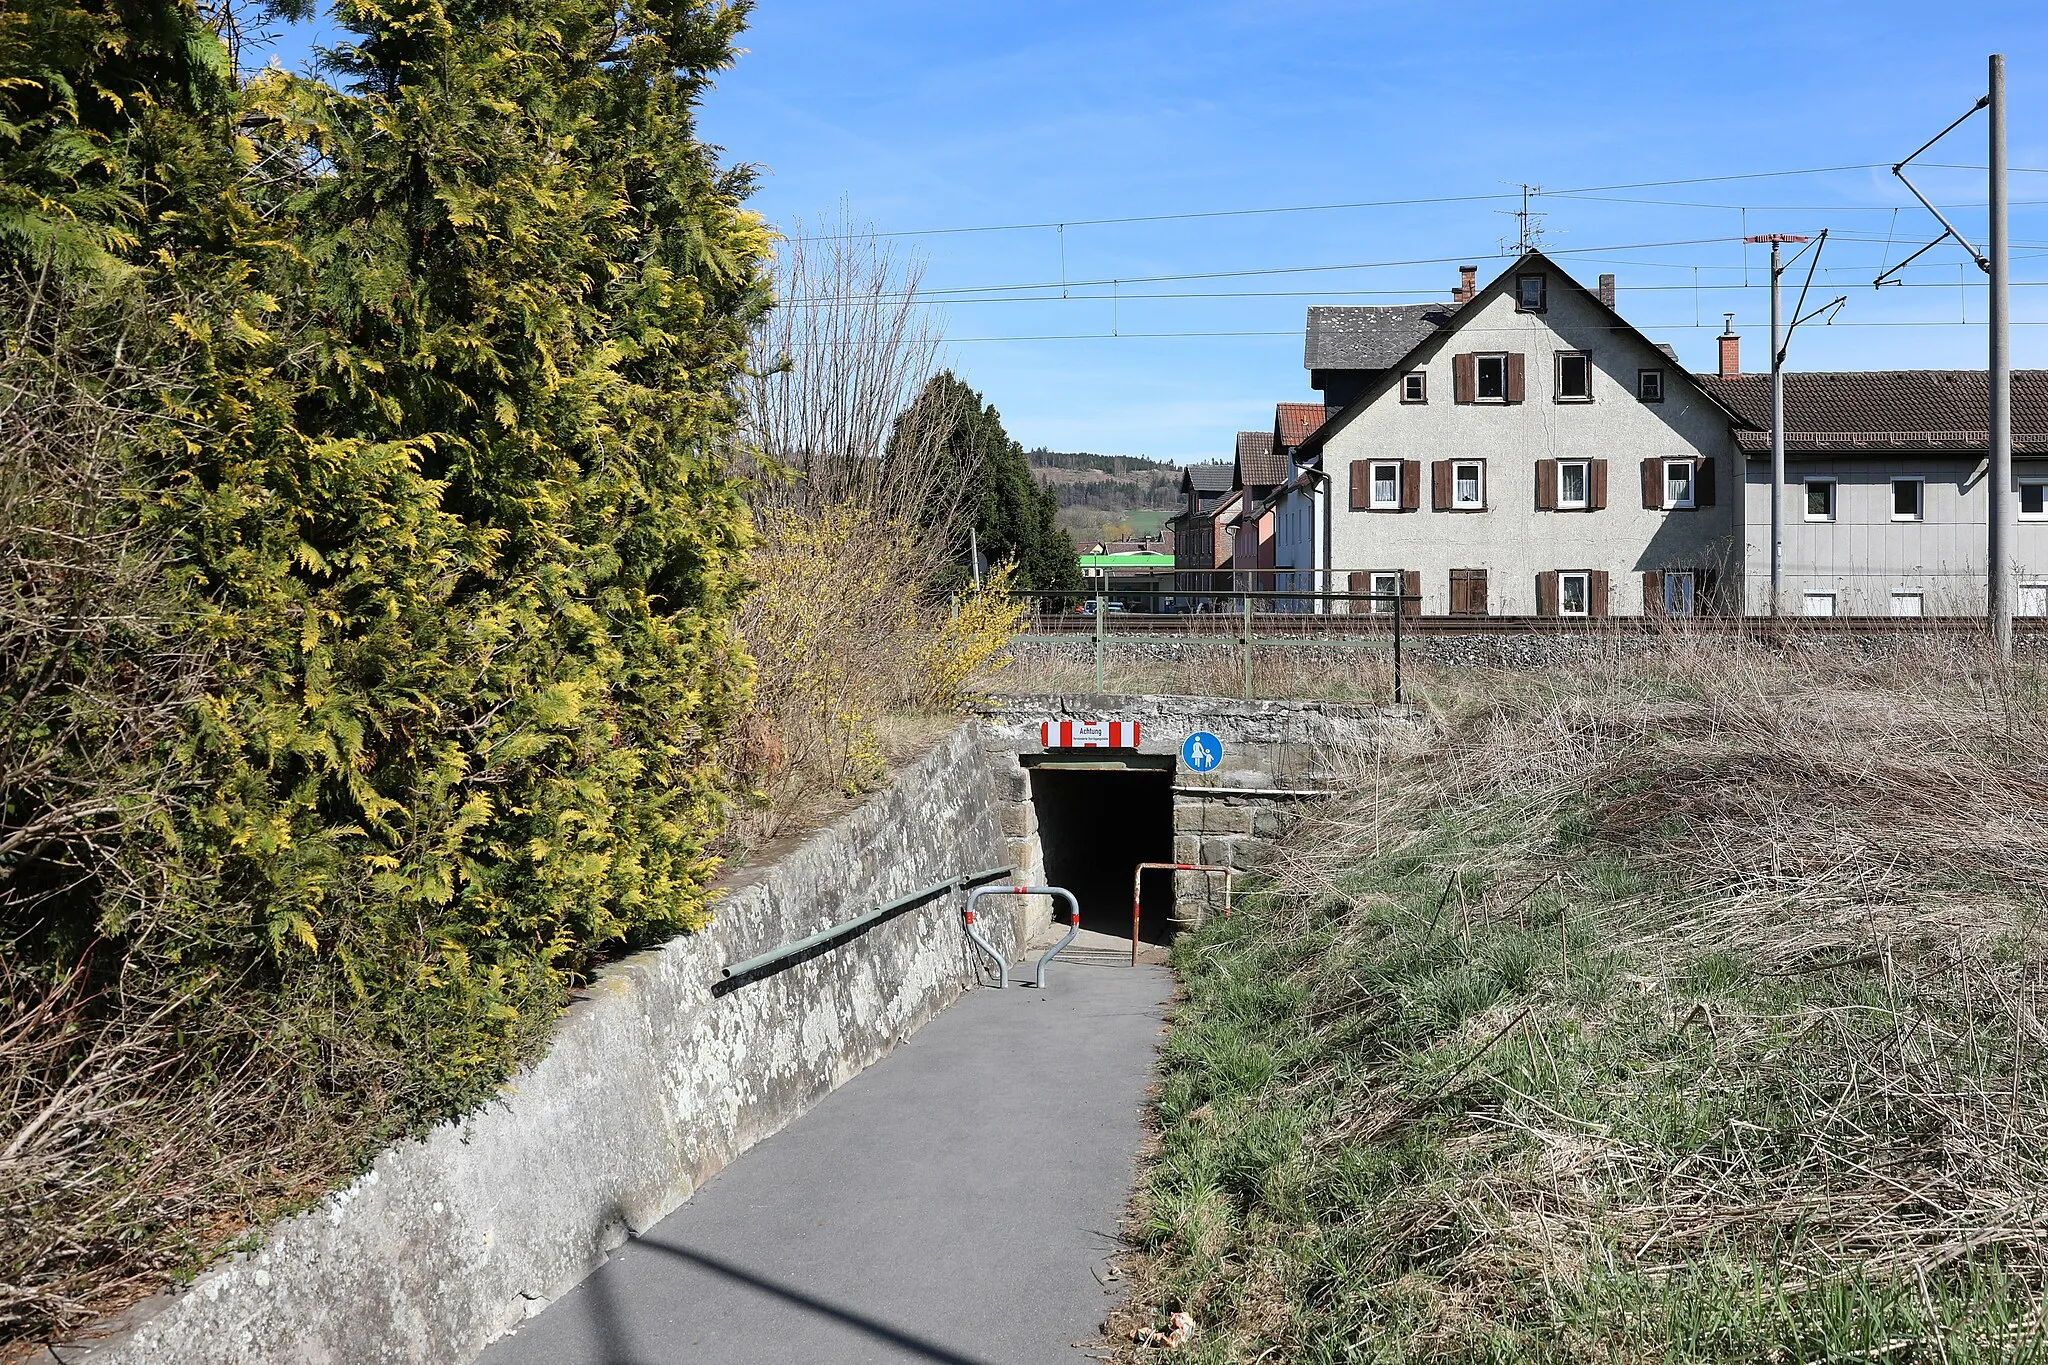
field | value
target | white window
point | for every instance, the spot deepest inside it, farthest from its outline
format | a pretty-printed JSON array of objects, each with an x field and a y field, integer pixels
[
  {"x": 1574, "y": 377},
  {"x": 1574, "y": 594},
  {"x": 1386, "y": 485},
  {"x": 1574, "y": 484},
  {"x": 1650, "y": 385},
  {"x": 1468, "y": 484},
  {"x": 1820, "y": 604},
  {"x": 1528, "y": 293},
  {"x": 1907, "y": 604},
  {"x": 1681, "y": 594},
  {"x": 1415, "y": 387},
  {"x": 1678, "y": 483},
  {"x": 1820, "y": 506},
  {"x": 2034, "y": 499},
  {"x": 1909, "y": 498},
  {"x": 1386, "y": 584},
  {"x": 1490, "y": 373},
  {"x": 2034, "y": 599}
]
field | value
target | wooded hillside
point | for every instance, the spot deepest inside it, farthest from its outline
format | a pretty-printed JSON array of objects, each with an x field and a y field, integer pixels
[{"x": 1095, "y": 491}]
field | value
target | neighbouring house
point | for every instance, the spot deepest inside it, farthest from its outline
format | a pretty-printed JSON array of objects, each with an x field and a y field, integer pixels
[
  {"x": 1260, "y": 467},
  {"x": 1201, "y": 548},
  {"x": 1137, "y": 580},
  {"x": 1887, "y": 498},
  {"x": 1274, "y": 502},
  {"x": 1521, "y": 451}
]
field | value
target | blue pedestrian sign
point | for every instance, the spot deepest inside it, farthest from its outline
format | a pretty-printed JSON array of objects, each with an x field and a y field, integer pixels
[{"x": 1202, "y": 752}]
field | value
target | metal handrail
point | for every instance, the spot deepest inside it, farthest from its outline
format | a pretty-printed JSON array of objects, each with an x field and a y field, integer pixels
[
  {"x": 1138, "y": 890},
  {"x": 848, "y": 928},
  {"x": 980, "y": 940}
]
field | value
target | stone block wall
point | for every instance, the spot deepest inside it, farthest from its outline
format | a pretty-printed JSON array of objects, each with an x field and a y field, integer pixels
[{"x": 1233, "y": 817}]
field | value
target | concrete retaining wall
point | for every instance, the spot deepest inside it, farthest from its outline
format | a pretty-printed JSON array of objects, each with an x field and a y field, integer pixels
[{"x": 652, "y": 1084}]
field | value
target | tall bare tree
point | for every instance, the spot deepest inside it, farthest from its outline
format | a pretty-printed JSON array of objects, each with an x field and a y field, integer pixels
[{"x": 840, "y": 361}]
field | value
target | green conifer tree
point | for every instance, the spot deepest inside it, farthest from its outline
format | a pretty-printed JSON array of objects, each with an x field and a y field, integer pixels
[
  {"x": 485, "y": 568},
  {"x": 1013, "y": 517}
]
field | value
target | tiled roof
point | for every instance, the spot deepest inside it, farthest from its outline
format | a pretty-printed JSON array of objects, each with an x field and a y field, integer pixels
[
  {"x": 1296, "y": 421},
  {"x": 1258, "y": 463},
  {"x": 1210, "y": 476},
  {"x": 1847, "y": 413},
  {"x": 1369, "y": 338}
]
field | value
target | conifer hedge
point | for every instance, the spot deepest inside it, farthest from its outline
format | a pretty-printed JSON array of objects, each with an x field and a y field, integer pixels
[{"x": 436, "y": 489}]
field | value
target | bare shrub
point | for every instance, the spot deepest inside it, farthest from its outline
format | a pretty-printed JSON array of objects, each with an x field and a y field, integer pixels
[
  {"x": 96, "y": 667},
  {"x": 856, "y": 519},
  {"x": 838, "y": 364}
]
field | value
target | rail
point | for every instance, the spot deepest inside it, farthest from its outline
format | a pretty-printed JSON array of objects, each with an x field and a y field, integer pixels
[
  {"x": 1138, "y": 890},
  {"x": 1266, "y": 619},
  {"x": 833, "y": 935},
  {"x": 980, "y": 940}
]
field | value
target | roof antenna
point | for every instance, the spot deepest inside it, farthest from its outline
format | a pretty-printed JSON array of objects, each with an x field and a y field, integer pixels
[{"x": 1528, "y": 223}]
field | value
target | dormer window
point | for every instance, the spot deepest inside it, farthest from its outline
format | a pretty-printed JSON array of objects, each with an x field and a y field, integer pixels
[{"x": 1529, "y": 293}]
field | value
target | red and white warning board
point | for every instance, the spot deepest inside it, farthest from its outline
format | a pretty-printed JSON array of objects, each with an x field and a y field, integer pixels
[{"x": 1089, "y": 734}]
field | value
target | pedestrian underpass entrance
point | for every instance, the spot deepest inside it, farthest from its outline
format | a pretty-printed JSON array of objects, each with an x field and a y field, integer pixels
[{"x": 1098, "y": 818}]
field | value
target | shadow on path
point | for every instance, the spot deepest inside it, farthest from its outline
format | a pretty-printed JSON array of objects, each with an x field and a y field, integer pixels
[{"x": 881, "y": 1331}]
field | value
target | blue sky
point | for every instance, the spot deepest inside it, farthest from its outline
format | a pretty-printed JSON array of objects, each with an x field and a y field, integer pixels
[{"x": 918, "y": 116}]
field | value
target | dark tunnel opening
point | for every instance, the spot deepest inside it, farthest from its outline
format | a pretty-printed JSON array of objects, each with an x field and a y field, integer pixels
[{"x": 1096, "y": 823}]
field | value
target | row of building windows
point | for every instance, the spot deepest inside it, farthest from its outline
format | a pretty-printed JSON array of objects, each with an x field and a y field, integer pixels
[
  {"x": 2033, "y": 601},
  {"x": 1560, "y": 592},
  {"x": 1496, "y": 377},
  {"x": 1909, "y": 499},
  {"x": 1561, "y": 485}
]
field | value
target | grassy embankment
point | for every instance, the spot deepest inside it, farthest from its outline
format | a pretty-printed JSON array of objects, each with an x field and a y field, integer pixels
[{"x": 1675, "y": 1009}]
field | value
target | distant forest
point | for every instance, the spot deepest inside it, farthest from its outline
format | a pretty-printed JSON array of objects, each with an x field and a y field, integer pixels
[{"x": 1101, "y": 494}]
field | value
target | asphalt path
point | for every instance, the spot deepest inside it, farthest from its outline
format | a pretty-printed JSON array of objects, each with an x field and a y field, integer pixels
[{"x": 956, "y": 1202}]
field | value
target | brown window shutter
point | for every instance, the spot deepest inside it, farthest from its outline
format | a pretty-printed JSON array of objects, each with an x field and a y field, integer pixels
[
  {"x": 1546, "y": 593},
  {"x": 1653, "y": 592},
  {"x": 1598, "y": 490},
  {"x": 1515, "y": 377},
  {"x": 1411, "y": 592},
  {"x": 1546, "y": 485},
  {"x": 1653, "y": 484},
  {"x": 1704, "y": 583},
  {"x": 1597, "y": 583},
  {"x": 1411, "y": 485},
  {"x": 1464, "y": 378},
  {"x": 1360, "y": 582},
  {"x": 1440, "y": 485},
  {"x": 1361, "y": 485},
  {"x": 1703, "y": 482},
  {"x": 1468, "y": 592}
]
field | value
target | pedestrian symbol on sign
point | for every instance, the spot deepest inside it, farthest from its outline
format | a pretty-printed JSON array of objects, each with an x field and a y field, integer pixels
[{"x": 1202, "y": 752}]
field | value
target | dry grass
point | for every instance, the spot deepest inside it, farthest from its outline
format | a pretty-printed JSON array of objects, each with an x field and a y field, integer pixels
[{"x": 1683, "y": 1007}]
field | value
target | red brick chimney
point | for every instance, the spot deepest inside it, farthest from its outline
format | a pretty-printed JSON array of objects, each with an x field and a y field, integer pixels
[
  {"x": 1468, "y": 284},
  {"x": 1731, "y": 348},
  {"x": 1607, "y": 290}
]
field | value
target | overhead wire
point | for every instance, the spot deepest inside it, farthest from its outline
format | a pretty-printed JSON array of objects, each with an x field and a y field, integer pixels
[
  {"x": 1408, "y": 202},
  {"x": 1296, "y": 332}
]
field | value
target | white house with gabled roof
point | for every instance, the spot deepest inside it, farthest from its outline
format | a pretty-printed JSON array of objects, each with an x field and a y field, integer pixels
[{"x": 1522, "y": 451}]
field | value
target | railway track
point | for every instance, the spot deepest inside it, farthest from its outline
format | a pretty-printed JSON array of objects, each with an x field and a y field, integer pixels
[{"x": 1225, "y": 627}]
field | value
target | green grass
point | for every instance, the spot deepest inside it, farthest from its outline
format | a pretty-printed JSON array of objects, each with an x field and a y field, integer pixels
[{"x": 1446, "y": 1105}]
